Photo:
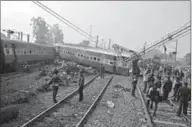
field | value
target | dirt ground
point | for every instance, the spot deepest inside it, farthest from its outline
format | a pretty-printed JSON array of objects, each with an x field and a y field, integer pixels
[
  {"x": 38, "y": 101},
  {"x": 127, "y": 110}
]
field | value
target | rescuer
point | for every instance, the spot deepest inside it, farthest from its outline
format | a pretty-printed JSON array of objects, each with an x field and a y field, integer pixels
[
  {"x": 55, "y": 81},
  {"x": 81, "y": 85},
  {"x": 185, "y": 94}
]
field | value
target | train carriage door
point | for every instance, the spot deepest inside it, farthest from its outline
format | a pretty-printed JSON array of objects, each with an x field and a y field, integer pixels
[
  {"x": 114, "y": 66},
  {"x": 15, "y": 56},
  {"x": 2, "y": 57}
]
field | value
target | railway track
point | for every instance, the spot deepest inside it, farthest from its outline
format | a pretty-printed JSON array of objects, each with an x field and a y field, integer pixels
[
  {"x": 70, "y": 112},
  {"x": 165, "y": 114}
]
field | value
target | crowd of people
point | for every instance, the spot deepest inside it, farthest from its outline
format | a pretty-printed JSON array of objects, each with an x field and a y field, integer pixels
[{"x": 159, "y": 83}]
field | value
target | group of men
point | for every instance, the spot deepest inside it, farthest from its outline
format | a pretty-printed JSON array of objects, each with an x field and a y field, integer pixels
[
  {"x": 56, "y": 81},
  {"x": 157, "y": 90}
]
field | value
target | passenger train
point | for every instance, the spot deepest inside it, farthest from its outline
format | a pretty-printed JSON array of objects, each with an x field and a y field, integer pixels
[{"x": 13, "y": 53}]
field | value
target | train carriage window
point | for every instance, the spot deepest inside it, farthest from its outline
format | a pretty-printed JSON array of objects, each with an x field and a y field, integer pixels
[
  {"x": 5, "y": 46},
  {"x": 81, "y": 55},
  {"x": 98, "y": 59},
  {"x": 24, "y": 51},
  {"x": 95, "y": 58},
  {"x": 30, "y": 51},
  {"x": 78, "y": 54},
  {"x": 91, "y": 57}
]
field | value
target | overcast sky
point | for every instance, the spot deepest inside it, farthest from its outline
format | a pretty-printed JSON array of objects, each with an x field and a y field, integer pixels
[{"x": 127, "y": 23}]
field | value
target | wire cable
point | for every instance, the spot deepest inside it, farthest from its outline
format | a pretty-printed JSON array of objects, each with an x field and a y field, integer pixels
[
  {"x": 162, "y": 41},
  {"x": 56, "y": 15}
]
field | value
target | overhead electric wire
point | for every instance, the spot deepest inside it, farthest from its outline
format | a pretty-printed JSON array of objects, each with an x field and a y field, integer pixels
[
  {"x": 168, "y": 42},
  {"x": 162, "y": 41},
  {"x": 56, "y": 15}
]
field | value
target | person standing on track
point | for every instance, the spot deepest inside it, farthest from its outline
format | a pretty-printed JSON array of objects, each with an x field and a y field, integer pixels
[
  {"x": 55, "y": 81},
  {"x": 81, "y": 85},
  {"x": 145, "y": 80},
  {"x": 176, "y": 88},
  {"x": 185, "y": 95},
  {"x": 150, "y": 80},
  {"x": 167, "y": 88},
  {"x": 103, "y": 71},
  {"x": 134, "y": 85}
]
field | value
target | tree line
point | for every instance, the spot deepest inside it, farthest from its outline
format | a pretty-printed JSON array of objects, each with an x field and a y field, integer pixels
[{"x": 45, "y": 33}]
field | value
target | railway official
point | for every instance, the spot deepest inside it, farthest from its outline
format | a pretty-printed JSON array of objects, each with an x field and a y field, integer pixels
[
  {"x": 185, "y": 94},
  {"x": 81, "y": 86},
  {"x": 56, "y": 82}
]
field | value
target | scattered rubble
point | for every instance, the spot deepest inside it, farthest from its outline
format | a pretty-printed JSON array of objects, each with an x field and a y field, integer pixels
[{"x": 110, "y": 104}]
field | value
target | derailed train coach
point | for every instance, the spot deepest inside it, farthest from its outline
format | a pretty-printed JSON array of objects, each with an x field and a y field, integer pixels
[
  {"x": 93, "y": 57},
  {"x": 13, "y": 53}
]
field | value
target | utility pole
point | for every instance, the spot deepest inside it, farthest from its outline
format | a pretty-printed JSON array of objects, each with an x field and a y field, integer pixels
[
  {"x": 109, "y": 43},
  {"x": 97, "y": 41},
  {"x": 176, "y": 51},
  {"x": 103, "y": 44},
  {"x": 90, "y": 33},
  {"x": 21, "y": 36},
  {"x": 28, "y": 37}
]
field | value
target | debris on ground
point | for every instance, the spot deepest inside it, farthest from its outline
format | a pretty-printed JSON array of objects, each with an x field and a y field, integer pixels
[
  {"x": 123, "y": 88},
  {"x": 110, "y": 104},
  {"x": 10, "y": 112}
]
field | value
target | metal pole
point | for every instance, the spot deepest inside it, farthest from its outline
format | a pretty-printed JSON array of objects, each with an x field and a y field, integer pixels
[
  {"x": 97, "y": 41},
  {"x": 109, "y": 43},
  {"x": 176, "y": 51},
  {"x": 90, "y": 33}
]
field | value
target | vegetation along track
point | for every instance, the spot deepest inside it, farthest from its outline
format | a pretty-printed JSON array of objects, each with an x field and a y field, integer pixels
[
  {"x": 12, "y": 75},
  {"x": 70, "y": 112},
  {"x": 165, "y": 114}
]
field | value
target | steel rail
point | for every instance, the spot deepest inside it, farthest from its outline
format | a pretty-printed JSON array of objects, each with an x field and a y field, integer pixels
[
  {"x": 149, "y": 120},
  {"x": 184, "y": 116},
  {"x": 47, "y": 111},
  {"x": 91, "y": 108}
]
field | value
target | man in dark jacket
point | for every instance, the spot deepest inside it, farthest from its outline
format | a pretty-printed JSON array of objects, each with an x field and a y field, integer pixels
[
  {"x": 150, "y": 81},
  {"x": 153, "y": 96},
  {"x": 55, "y": 81},
  {"x": 134, "y": 85},
  {"x": 81, "y": 86},
  {"x": 185, "y": 94},
  {"x": 167, "y": 88}
]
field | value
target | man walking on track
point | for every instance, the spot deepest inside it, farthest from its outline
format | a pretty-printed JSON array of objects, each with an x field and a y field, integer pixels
[
  {"x": 81, "y": 85},
  {"x": 184, "y": 97}
]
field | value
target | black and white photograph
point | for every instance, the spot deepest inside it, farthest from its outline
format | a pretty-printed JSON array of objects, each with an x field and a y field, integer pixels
[{"x": 95, "y": 64}]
